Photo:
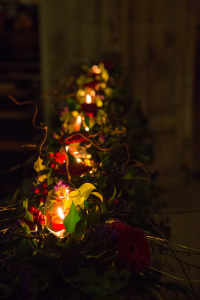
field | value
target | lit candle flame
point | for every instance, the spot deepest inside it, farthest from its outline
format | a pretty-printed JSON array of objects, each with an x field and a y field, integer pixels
[
  {"x": 78, "y": 160},
  {"x": 87, "y": 128},
  {"x": 78, "y": 120},
  {"x": 67, "y": 148},
  {"x": 60, "y": 212},
  {"x": 88, "y": 99}
]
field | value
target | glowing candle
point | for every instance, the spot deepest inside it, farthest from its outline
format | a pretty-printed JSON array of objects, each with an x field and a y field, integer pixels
[
  {"x": 77, "y": 126},
  {"x": 57, "y": 221},
  {"x": 88, "y": 99}
]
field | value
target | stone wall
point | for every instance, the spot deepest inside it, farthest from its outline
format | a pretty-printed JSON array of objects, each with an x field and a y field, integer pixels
[{"x": 156, "y": 39}]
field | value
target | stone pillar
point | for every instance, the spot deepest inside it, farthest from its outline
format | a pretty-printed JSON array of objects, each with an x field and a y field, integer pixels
[{"x": 156, "y": 39}]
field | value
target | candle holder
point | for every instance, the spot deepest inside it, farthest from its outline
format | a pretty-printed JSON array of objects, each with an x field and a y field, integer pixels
[
  {"x": 57, "y": 207},
  {"x": 78, "y": 151}
]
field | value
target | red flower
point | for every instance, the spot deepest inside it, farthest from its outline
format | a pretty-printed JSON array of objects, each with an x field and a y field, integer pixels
[
  {"x": 74, "y": 139},
  {"x": 75, "y": 169},
  {"x": 133, "y": 247},
  {"x": 89, "y": 108}
]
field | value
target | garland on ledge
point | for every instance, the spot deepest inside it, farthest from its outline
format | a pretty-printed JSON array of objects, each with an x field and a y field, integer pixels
[{"x": 83, "y": 228}]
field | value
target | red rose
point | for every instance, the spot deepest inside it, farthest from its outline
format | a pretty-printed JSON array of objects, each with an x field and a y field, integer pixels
[{"x": 133, "y": 247}]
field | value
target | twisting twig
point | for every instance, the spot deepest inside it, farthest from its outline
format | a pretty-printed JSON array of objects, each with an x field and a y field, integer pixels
[
  {"x": 102, "y": 149},
  {"x": 45, "y": 128}
]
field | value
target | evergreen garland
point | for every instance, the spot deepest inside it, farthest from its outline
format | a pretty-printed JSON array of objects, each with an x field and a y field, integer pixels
[{"x": 93, "y": 164}]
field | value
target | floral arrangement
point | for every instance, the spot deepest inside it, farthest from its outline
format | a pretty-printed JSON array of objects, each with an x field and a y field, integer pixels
[{"x": 83, "y": 227}]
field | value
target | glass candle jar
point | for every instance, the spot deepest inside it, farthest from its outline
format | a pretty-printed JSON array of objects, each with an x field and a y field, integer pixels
[{"x": 57, "y": 207}]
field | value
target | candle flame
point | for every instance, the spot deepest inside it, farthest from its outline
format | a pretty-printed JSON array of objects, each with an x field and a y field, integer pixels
[
  {"x": 87, "y": 128},
  {"x": 78, "y": 120},
  {"x": 60, "y": 212},
  {"x": 78, "y": 160},
  {"x": 67, "y": 148},
  {"x": 88, "y": 99}
]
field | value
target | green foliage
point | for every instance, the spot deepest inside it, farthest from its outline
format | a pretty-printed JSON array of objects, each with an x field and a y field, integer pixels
[
  {"x": 91, "y": 260},
  {"x": 71, "y": 219}
]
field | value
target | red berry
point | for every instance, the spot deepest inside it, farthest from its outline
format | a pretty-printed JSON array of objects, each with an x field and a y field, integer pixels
[
  {"x": 35, "y": 211},
  {"x": 45, "y": 192},
  {"x": 42, "y": 218},
  {"x": 43, "y": 222},
  {"x": 50, "y": 154},
  {"x": 31, "y": 208},
  {"x": 38, "y": 213},
  {"x": 116, "y": 201},
  {"x": 42, "y": 199},
  {"x": 37, "y": 219},
  {"x": 44, "y": 185},
  {"x": 37, "y": 191},
  {"x": 52, "y": 165},
  {"x": 57, "y": 154},
  {"x": 56, "y": 159}
]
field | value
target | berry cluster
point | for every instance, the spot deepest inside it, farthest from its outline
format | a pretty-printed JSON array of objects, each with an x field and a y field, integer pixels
[
  {"x": 37, "y": 215},
  {"x": 58, "y": 157},
  {"x": 42, "y": 189}
]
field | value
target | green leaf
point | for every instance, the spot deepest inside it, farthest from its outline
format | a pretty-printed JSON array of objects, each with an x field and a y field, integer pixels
[
  {"x": 86, "y": 190},
  {"x": 44, "y": 171},
  {"x": 25, "y": 204},
  {"x": 94, "y": 216},
  {"x": 85, "y": 275},
  {"x": 131, "y": 192},
  {"x": 104, "y": 208},
  {"x": 71, "y": 219},
  {"x": 101, "y": 181},
  {"x": 80, "y": 227},
  {"x": 14, "y": 197},
  {"x": 26, "y": 228},
  {"x": 82, "y": 213},
  {"x": 128, "y": 176},
  {"x": 113, "y": 196},
  {"x": 28, "y": 216},
  {"x": 99, "y": 195},
  {"x": 86, "y": 204},
  {"x": 49, "y": 178}
]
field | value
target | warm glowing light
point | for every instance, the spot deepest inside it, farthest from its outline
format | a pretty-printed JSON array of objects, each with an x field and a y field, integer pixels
[
  {"x": 92, "y": 93},
  {"x": 82, "y": 93},
  {"x": 96, "y": 70},
  {"x": 67, "y": 148},
  {"x": 60, "y": 212},
  {"x": 87, "y": 128},
  {"x": 75, "y": 152},
  {"x": 91, "y": 172},
  {"x": 89, "y": 155},
  {"x": 78, "y": 120},
  {"x": 78, "y": 160},
  {"x": 88, "y": 99}
]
